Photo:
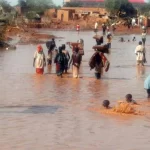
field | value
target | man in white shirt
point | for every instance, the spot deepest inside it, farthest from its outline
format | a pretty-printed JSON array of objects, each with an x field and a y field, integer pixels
[{"x": 140, "y": 51}]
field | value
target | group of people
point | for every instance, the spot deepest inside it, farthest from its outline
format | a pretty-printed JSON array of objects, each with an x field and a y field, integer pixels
[
  {"x": 62, "y": 59},
  {"x": 98, "y": 61},
  {"x": 128, "y": 99},
  {"x": 129, "y": 106}
]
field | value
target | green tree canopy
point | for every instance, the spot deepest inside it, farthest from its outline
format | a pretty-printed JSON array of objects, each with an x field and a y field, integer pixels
[
  {"x": 38, "y": 6},
  {"x": 6, "y": 6},
  {"x": 73, "y": 4},
  {"x": 120, "y": 7},
  {"x": 145, "y": 9}
]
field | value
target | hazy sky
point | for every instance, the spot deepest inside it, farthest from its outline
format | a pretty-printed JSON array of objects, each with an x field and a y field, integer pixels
[{"x": 14, "y": 2}]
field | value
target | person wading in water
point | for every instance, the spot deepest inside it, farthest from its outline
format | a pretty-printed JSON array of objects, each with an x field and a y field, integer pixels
[
  {"x": 144, "y": 37},
  {"x": 104, "y": 27},
  {"x": 50, "y": 46},
  {"x": 75, "y": 61},
  {"x": 67, "y": 57},
  {"x": 60, "y": 61},
  {"x": 139, "y": 51},
  {"x": 39, "y": 61}
]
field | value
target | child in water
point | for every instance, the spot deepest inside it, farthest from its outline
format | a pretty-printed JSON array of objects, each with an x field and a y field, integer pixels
[
  {"x": 122, "y": 107},
  {"x": 129, "y": 99},
  {"x": 121, "y": 39},
  {"x": 134, "y": 39},
  {"x": 106, "y": 104}
]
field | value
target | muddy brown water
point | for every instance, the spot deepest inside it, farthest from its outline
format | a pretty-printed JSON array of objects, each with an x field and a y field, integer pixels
[{"x": 50, "y": 113}]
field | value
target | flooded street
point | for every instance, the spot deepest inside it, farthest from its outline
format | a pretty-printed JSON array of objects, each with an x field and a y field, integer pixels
[{"x": 51, "y": 113}]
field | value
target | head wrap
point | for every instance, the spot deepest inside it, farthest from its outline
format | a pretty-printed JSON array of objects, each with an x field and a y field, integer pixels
[{"x": 39, "y": 48}]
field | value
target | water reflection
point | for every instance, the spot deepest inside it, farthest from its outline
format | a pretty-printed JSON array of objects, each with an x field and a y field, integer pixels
[
  {"x": 140, "y": 70},
  {"x": 72, "y": 125},
  {"x": 49, "y": 69},
  {"x": 30, "y": 109}
]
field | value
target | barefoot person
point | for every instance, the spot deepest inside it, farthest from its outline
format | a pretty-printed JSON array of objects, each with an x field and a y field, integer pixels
[{"x": 39, "y": 61}]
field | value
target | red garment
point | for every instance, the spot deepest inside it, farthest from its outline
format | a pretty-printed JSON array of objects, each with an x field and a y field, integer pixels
[
  {"x": 57, "y": 67},
  {"x": 78, "y": 27},
  {"x": 105, "y": 62},
  {"x": 39, "y": 70}
]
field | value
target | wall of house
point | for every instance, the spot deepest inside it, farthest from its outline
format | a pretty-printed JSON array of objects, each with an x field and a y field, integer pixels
[
  {"x": 85, "y": 9},
  {"x": 63, "y": 15}
]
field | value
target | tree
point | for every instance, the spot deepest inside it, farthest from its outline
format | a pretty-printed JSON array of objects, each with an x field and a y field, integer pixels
[
  {"x": 119, "y": 7},
  {"x": 6, "y": 6},
  {"x": 39, "y": 5},
  {"x": 145, "y": 9},
  {"x": 126, "y": 10},
  {"x": 73, "y": 4},
  {"x": 23, "y": 5}
]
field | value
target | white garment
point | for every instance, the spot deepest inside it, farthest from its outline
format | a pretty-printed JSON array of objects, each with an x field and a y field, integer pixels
[
  {"x": 39, "y": 59},
  {"x": 143, "y": 35},
  {"x": 75, "y": 71},
  {"x": 133, "y": 22},
  {"x": 96, "y": 25},
  {"x": 139, "y": 52}
]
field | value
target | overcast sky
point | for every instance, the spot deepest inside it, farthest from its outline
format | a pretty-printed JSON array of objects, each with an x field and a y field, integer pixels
[{"x": 14, "y": 2}]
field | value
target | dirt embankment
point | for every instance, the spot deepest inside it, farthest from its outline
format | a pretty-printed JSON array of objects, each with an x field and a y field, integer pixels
[
  {"x": 26, "y": 35},
  {"x": 87, "y": 23}
]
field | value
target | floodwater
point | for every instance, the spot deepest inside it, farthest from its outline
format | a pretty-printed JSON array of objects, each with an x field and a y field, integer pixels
[{"x": 51, "y": 113}]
